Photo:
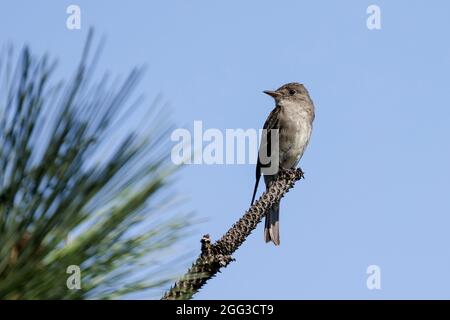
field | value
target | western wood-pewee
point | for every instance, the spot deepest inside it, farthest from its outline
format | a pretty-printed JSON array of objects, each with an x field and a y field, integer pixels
[{"x": 285, "y": 137}]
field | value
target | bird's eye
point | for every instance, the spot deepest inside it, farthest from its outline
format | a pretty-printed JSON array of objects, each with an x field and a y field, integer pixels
[{"x": 292, "y": 92}]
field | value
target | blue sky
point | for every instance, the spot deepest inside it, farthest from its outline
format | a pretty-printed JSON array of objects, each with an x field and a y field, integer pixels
[{"x": 377, "y": 168}]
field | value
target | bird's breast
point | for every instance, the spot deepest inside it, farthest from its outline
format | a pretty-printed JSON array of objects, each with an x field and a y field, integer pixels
[{"x": 294, "y": 135}]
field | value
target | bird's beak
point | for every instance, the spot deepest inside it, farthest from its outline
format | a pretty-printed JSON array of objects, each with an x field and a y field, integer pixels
[{"x": 273, "y": 94}]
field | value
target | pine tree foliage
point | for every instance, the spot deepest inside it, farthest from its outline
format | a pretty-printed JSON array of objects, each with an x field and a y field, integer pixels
[{"x": 78, "y": 187}]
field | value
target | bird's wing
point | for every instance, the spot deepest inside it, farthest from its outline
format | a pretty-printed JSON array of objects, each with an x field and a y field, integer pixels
[{"x": 272, "y": 122}]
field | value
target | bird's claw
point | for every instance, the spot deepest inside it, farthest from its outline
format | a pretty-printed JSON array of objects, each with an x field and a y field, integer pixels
[{"x": 302, "y": 173}]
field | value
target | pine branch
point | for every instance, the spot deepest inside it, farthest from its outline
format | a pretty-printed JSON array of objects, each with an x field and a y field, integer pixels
[
  {"x": 215, "y": 256},
  {"x": 82, "y": 184}
]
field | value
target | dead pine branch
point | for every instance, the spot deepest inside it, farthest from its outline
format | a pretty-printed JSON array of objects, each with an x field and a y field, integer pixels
[{"x": 215, "y": 256}]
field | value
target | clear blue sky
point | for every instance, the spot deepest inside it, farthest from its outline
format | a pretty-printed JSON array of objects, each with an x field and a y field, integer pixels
[{"x": 378, "y": 166}]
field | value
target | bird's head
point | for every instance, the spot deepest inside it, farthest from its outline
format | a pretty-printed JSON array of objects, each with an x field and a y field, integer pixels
[{"x": 289, "y": 93}]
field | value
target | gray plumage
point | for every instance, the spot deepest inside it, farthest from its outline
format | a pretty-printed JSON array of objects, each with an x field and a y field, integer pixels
[{"x": 292, "y": 117}]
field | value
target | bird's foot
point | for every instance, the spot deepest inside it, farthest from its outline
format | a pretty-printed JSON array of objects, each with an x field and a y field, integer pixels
[{"x": 302, "y": 173}]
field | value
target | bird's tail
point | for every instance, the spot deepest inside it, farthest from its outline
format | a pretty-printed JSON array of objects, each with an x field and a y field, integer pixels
[{"x": 272, "y": 227}]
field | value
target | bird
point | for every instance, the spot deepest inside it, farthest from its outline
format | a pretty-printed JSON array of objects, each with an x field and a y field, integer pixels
[{"x": 286, "y": 134}]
